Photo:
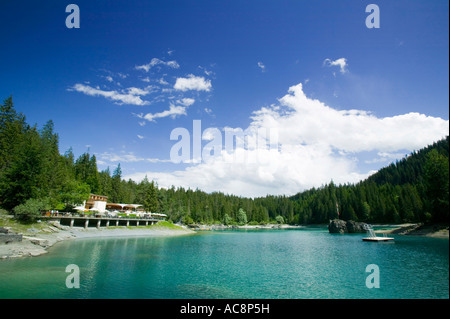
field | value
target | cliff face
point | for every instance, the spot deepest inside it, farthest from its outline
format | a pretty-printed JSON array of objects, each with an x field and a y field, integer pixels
[{"x": 338, "y": 226}]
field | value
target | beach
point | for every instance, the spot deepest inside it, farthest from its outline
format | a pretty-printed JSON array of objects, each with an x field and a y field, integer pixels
[{"x": 427, "y": 230}]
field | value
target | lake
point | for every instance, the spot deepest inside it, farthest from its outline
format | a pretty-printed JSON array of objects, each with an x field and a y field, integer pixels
[{"x": 287, "y": 264}]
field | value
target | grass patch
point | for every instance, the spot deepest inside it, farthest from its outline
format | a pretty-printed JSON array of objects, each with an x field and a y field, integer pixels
[
  {"x": 159, "y": 225},
  {"x": 20, "y": 226},
  {"x": 165, "y": 224}
]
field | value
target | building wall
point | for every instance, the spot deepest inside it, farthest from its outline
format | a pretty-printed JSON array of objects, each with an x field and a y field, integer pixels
[{"x": 100, "y": 205}]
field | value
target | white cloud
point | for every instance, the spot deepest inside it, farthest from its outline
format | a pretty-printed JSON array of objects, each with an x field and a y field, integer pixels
[
  {"x": 262, "y": 66},
  {"x": 206, "y": 71},
  {"x": 167, "y": 90},
  {"x": 173, "y": 112},
  {"x": 138, "y": 91},
  {"x": 316, "y": 144},
  {"x": 162, "y": 81},
  {"x": 196, "y": 83},
  {"x": 112, "y": 95},
  {"x": 157, "y": 89},
  {"x": 342, "y": 63},
  {"x": 107, "y": 157},
  {"x": 124, "y": 158},
  {"x": 312, "y": 122},
  {"x": 186, "y": 101},
  {"x": 155, "y": 62},
  {"x": 385, "y": 157},
  {"x": 140, "y": 137}
]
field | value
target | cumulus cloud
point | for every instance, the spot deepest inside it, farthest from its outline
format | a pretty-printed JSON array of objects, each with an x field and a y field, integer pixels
[
  {"x": 138, "y": 91},
  {"x": 315, "y": 144},
  {"x": 311, "y": 121},
  {"x": 175, "y": 110},
  {"x": 192, "y": 82},
  {"x": 186, "y": 101},
  {"x": 341, "y": 63},
  {"x": 156, "y": 90},
  {"x": 172, "y": 112},
  {"x": 154, "y": 62},
  {"x": 113, "y": 95}
]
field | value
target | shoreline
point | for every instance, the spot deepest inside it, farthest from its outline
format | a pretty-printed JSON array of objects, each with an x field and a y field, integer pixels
[
  {"x": 36, "y": 244},
  {"x": 245, "y": 227},
  {"x": 418, "y": 229},
  {"x": 407, "y": 229},
  {"x": 33, "y": 245}
]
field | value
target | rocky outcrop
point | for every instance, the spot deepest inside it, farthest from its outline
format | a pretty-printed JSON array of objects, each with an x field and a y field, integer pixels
[
  {"x": 338, "y": 226},
  {"x": 356, "y": 227},
  {"x": 8, "y": 236},
  {"x": 38, "y": 241}
]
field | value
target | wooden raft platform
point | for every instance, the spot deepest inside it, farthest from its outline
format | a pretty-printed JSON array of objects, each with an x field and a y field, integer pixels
[{"x": 377, "y": 239}]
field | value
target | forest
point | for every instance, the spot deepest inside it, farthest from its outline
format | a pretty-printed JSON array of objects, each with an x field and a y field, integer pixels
[{"x": 36, "y": 176}]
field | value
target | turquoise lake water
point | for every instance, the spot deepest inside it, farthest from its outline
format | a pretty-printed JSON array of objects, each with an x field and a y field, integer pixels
[{"x": 288, "y": 264}]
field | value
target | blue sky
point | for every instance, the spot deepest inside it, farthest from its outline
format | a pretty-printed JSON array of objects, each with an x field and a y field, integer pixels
[{"x": 344, "y": 100}]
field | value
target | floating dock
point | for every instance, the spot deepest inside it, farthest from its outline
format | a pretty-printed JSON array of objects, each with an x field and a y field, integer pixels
[
  {"x": 373, "y": 236},
  {"x": 377, "y": 238}
]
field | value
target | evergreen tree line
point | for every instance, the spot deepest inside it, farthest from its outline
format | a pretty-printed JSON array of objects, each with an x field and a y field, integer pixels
[
  {"x": 414, "y": 189},
  {"x": 34, "y": 175},
  {"x": 32, "y": 171}
]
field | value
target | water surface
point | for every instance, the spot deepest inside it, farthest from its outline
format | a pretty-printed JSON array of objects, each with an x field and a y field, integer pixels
[{"x": 234, "y": 264}]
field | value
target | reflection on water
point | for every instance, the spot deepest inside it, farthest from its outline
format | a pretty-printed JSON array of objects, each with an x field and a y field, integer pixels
[{"x": 233, "y": 264}]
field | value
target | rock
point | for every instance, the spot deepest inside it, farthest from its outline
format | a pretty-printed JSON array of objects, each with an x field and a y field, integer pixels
[
  {"x": 38, "y": 241},
  {"x": 53, "y": 229},
  {"x": 56, "y": 224},
  {"x": 356, "y": 227},
  {"x": 338, "y": 226},
  {"x": 35, "y": 253},
  {"x": 8, "y": 236}
]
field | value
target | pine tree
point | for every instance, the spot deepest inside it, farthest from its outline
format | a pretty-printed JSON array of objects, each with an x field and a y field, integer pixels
[
  {"x": 22, "y": 179},
  {"x": 105, "y": 183},
  {"x": 116, "y": 185},
  {"x": 437, "y": 185}
]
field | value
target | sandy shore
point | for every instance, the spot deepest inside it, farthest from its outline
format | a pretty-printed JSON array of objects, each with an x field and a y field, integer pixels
[
  {"x": 431, "y": 230},
  {"x": 38, "y": 244}
]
